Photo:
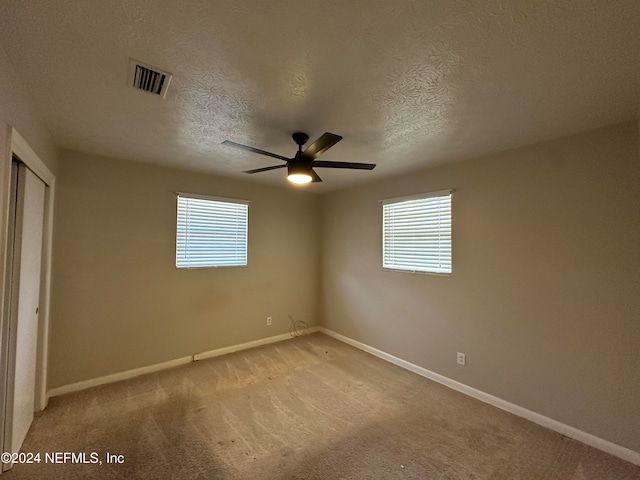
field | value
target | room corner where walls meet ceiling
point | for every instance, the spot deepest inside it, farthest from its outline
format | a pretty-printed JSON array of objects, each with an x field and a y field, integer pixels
[{"x": 407, "y": 84}]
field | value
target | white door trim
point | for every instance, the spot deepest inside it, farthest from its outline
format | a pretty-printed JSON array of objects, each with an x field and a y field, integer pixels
[
  {"x": 23, "y": 151},
  {"x": 26, "y": 299},
  {"x": 16, "y": 145}
]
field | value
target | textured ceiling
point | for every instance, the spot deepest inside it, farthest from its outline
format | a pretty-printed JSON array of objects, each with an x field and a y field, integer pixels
[{"x": 408, "y": 84}]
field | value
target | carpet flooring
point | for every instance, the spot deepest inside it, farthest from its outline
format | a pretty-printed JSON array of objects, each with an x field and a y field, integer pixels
[{"x": 308, "y": 408}]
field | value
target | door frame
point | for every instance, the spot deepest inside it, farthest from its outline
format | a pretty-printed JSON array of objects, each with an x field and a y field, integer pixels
[{"x": 20, "y": 148}]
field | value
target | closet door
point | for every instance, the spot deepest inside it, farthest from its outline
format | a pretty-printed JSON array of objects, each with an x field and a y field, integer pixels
[{"x": 23, "y": 333}]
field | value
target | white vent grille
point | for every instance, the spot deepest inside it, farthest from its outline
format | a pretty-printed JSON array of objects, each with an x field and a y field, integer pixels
[{"x": 148, "y": 79}]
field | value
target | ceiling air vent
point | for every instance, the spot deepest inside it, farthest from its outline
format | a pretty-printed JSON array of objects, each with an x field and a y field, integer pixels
[{"x": 148, "y": 79}]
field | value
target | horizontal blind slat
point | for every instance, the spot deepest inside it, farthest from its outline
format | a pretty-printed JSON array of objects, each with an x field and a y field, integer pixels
[
  {"x": 417, "y": 235},
  {"x": 210, "y": 233}
]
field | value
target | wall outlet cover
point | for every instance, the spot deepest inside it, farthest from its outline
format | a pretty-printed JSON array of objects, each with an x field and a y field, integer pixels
[{"x": 461, "y": 359}]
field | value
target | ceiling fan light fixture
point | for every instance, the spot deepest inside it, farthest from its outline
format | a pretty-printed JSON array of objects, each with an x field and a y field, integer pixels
[
  {"x": 299, "y": 178},
  {"x": 299, "y": 173},
  {"x": 300, "y": 168}
]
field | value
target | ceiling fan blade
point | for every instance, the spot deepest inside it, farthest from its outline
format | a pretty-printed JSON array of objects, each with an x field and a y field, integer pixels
[
  {"x": 355, "y": 166},
  {"x": 315, "y": 177},
  {"x": 321, "y": 145},
  {"x": 229, "y": 143},
  {"x": 265, "y": 169}
]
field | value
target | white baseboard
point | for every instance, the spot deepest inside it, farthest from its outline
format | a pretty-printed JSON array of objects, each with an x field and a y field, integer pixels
[
  {"x": 116, "y": 377},
  {"x": 244, "y": 346},
  {"x": 562, "y": 428}
]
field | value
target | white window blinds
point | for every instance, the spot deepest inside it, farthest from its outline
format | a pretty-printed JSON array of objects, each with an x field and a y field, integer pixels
[
  {"x": 416, "y": 233},
  {"x": 211, "y": 232}
]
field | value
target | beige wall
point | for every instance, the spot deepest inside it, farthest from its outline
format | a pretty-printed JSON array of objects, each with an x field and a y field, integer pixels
[
  {"x": 18, "y": 111},
  {"x": 545, "y": 293},
  {"x": 544, "y": 298},
  {"x": 120, "y": 303}
]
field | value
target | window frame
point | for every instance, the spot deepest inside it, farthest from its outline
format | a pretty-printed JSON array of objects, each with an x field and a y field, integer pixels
[
  {"x": 234, "y": 201},
  {"x": 416, "y": 269}
]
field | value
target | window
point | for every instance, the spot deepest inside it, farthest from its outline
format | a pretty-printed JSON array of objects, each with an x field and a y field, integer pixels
[
  {"x": 211, "y": 232},
  {"x": 416, "y": 233}
]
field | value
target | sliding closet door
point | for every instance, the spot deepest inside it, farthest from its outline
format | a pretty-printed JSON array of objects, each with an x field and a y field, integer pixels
[{"x": 23, "y": 334}]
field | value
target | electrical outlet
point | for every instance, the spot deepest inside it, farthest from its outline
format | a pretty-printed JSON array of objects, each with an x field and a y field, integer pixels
[
  {"x": 461, "y": 359},
  {"x": 268, "y": 320}
]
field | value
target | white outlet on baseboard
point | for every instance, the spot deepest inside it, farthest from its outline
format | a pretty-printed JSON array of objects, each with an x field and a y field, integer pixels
[
  {"x": 268, "y": 320},
  {"x": 461, "y": 359}
]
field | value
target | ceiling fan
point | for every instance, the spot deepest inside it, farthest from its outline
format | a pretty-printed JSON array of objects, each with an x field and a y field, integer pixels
[{"x": 300, "y": 167}]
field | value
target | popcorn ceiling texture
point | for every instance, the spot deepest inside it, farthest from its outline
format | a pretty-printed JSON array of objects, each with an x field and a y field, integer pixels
[{"x": 407, "y": 83}]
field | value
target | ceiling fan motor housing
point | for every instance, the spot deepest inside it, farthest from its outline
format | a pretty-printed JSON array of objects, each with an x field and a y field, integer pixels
[
  {"x": 300, "y": 167},
  {"x": 300, "y": 138}
]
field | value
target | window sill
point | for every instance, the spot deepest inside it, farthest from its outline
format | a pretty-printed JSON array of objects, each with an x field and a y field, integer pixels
[{"x": 417, "y": 272}]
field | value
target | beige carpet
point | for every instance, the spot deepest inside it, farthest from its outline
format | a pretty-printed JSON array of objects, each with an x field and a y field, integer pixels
[{"x": 307, "y": 408}]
